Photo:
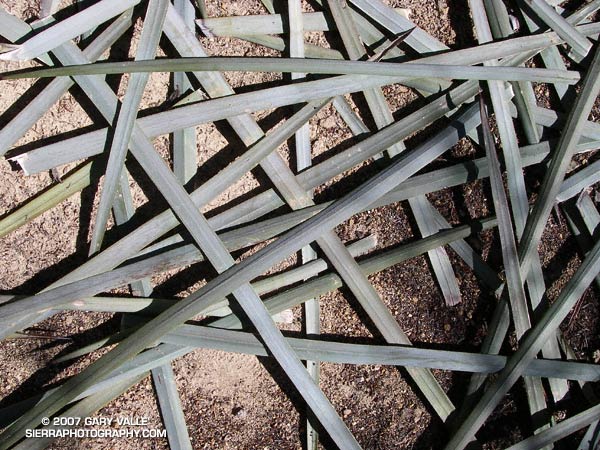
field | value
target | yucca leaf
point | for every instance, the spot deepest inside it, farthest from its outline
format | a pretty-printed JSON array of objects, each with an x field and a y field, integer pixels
[
  {"x": 578, "y": 42},
  {"x": 505, "y": 126},
  {"x": 524, "y": 97},
  {"x": 246, "y": 127},
  {"x": 123, "y": 210},
  {"x": 519, "y": 204},
  {"x": 584, "y": 11},
  {"x": 185, "y": 162},
  {"x": 296, "y": 50},
  {"x": 590, "y": 439},
  {"x": 146, "y": 251},
  {"x": 125, "y": 120},
  {"x": 456, "y": 174},
  {"x": 258, "y": 24},
  {"x": 95, "y": 263},
  {"x": 362, "y": 289},
  {"x": 155, "y": 305},
  {"x": 421, "y": 41},
  {"x": 277, "y": 43},
  {"x": 396, "y": 355},
  {"x": 296, "y": 197},
  {"x": 560, "y": 430},
  {"x": 310, "y": 269},
  {"x": 528, "y": 348},
  {"x": 380, "y": 315},
  {"x": 147, "y": 233},
  {"x": 302, "y": 142},
  {"x": 13, "y": 29},
  {"x": 347, "y": 353},
  {"x": 93, "y": 346},
  {"x": 265, "y": 24},
  {"x": 71, "y": 184},
  {"x": 429, "y": 182},
  {"x": 380, "y": 110},
  {"x": 269, "y": 5},
  {"x": 144, "y": 362},
  {"x": 438, "y": 257},
  {"x": 382, "y": 318},
  {"x": 374, "y": 39},
  {"x": 71, "y": 287},
  {"x": 85, "y": 408},
  {"x": 26, "y": 118},
  {"x": 520, "y": 209},
  {"x": 356, "y": 125},
  {"x": 583, "y": 219},
  {"x": 483, "y": 271},
  {"x": 327, "y": 350},
  {"x": 589, "y": 213},
  {"x": 184, "y": 117},
  {"x": 75, "y": 285},
  {"x": 230, "y": 280},
  {"x": 551, "y": 56},
  {"x": 315, "y": 66},
  {"x": 170, "y": 407},
  {"x": 516, "y": 290},
  {"x": 550, "y": 118},
  {"x": 11, "y": 313},
  {"x": 201, "y": 5},
  {"x": 560, "y": 160},
  {"x": 371, "y": 265},
  {"x": 412, "y": 249},
  {"x": 69, "y": 28},
  {"x": 48, "y": 7},
  {"x": 212, "y": 246},
  {"x": 492, "y": 343}
]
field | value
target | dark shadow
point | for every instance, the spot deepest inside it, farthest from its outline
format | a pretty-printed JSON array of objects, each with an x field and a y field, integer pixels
[
  {"x": 460, "y": 22},
  {"x": 23, "y": 101},
  {"x": 37, "y": 383},
  {"x": 284, "y": 383}
]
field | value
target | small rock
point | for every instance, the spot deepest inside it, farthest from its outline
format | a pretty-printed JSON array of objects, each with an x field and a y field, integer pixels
[
  {"x": 418, "y": 414},
  {"x": 347, "y": 412},
  {"x": 239, "y": 412},
  {"x": 329, "y": 122},
  {"x": 319, "y": 145},
  {"x": 447, "y": 327},
  {"x": 285, "y": 316},
  {"x": 406, "y": 415}
]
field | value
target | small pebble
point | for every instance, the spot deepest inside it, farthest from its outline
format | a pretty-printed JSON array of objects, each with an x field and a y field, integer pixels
[
  {"x": 329, "y": 122},
  {"x": 239, "y": 412}
]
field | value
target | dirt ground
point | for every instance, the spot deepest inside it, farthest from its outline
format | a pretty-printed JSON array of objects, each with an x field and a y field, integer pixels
[{"x": 232, "y": 401}]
